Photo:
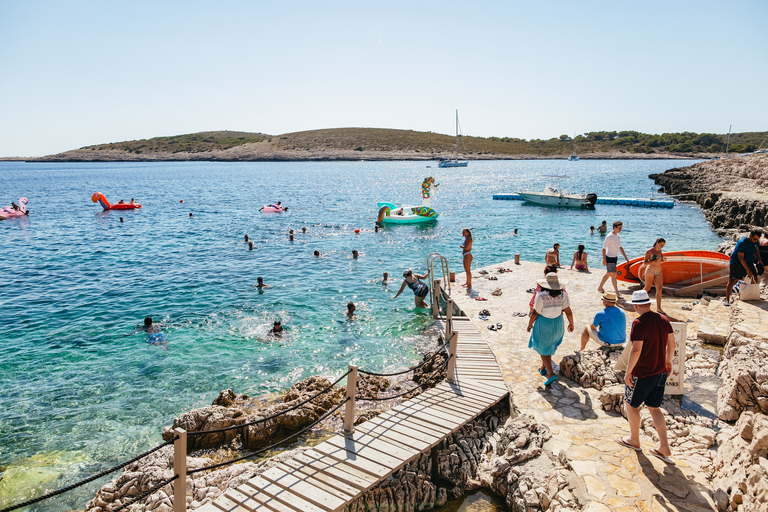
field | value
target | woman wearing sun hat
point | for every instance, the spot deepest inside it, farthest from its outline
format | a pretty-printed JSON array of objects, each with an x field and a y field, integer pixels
[{"x": 546, "y": 323}]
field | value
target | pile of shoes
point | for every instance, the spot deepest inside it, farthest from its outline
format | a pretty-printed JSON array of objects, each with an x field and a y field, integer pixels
[
  {"x": 484, "y": 314},
  {"x": 496, "y": 327}
]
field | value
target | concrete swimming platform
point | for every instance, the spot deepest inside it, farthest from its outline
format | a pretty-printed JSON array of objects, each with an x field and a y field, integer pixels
[{"x": 624, "y": 201}]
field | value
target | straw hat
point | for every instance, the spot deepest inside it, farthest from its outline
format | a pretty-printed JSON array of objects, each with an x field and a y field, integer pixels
[
  {"x": 551, "y": 282},
  {"x": 609, "y": 296},
  {"x": 640, "y": 297}
]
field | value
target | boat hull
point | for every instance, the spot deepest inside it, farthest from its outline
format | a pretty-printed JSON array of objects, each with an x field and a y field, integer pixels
[
  {"x": 452, "y": 163},
  {"x": 408, "y": 219},
  {"x": 677, "y": 266},
  {"x": 550, "y": 200}
]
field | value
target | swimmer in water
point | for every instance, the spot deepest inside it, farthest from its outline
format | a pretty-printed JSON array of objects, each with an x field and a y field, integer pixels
[
  {"x": 154, "y": 335},
  {"x": 316, "y": 253},
  {"x": 277, "y": 328},
  {"x": 351, "y": 310},
  {"x": 384, "y": 278},
  {"x": 304, "y": 229},
  {"x": 260, "y": 283},
  {"x": 355, "y": 254},
  {"x": 246, "y": 238}
]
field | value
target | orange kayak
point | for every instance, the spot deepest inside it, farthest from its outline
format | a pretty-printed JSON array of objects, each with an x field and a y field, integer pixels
[{"x": 677, "y": 266}]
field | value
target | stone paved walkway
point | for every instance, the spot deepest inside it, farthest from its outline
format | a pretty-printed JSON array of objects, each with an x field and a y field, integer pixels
[{"x": 615, "y": 478}]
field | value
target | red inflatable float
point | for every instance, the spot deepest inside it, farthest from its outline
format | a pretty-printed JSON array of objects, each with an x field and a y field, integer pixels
[{"x": 99, "y": 197}]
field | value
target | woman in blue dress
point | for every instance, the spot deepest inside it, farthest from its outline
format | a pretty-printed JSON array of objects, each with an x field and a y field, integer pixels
[
  {"x": 546, "y": 322},
  {"x": 420, "y": 290}
]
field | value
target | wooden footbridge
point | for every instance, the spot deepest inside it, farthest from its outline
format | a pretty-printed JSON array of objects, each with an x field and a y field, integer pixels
[{"x": 335, "y": 473}]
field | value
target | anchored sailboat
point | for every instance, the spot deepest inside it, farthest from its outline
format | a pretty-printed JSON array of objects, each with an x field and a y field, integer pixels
[{"x": 454, "y": 162}]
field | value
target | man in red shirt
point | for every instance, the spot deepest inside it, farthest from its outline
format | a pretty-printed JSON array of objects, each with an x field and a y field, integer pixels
[{"x": 650, "y": 362}]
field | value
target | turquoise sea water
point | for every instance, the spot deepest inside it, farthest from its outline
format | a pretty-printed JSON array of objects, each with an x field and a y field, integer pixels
[{"x": 84, "y": 391}]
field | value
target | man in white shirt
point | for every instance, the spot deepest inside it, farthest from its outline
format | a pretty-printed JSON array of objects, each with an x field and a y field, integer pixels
[{"x": 611, "y": 248}]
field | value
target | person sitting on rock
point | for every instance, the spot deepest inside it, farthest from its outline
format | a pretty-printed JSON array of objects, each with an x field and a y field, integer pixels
[{"x": 609, "y": 327}]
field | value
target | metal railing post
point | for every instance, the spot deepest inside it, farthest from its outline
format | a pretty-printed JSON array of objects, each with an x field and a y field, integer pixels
[
  {"x": 436, "y": 300},
  {"x": 451, "y": 371},
  {"x": 448, "y": 318},
  {"x": 349, "y": 412},
  {"x": 180, "y": 468}
]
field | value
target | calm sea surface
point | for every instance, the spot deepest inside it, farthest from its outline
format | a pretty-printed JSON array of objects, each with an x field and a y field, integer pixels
[{"x": 81, "y": 390}]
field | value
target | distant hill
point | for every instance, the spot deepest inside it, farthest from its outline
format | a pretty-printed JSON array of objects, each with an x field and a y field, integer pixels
[{"x": 387, "y": 144}]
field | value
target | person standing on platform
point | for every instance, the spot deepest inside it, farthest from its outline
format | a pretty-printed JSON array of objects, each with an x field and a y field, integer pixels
[{"x": 611, "y": 248}]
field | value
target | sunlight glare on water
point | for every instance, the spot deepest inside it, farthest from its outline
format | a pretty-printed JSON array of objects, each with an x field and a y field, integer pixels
[{"x": 83, "y": 388}]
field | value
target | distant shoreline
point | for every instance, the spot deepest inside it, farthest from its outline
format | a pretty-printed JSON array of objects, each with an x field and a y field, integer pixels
[{"x": 357, "y": 157}]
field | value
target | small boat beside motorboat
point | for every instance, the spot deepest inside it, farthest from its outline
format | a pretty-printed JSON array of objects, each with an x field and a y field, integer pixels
[
  {"x": 100, "y": 198},
  {"x": 9, "y": 212},
  {"x": 417, "y": 214},
  {"x": 556, "y": 196}
]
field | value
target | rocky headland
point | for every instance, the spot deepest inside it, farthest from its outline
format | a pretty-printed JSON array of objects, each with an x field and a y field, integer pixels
[{"x": 733, "y": 193}]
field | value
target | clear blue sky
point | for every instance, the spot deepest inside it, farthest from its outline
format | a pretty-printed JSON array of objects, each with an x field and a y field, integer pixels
[{"x": 76, "y": 73}]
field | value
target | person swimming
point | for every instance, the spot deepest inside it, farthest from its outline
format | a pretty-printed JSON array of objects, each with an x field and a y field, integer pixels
[
  {"x": 350, "y": 310},
  {"x": 355, "y": 254},
  {"x": 260, "y": 283},
  {"x": 277, "y": 328},
  {"x": 316, "y": 253},
  {"x": 154, "y": 335}
]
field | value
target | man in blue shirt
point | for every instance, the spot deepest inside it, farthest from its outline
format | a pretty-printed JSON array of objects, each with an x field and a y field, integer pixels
[
  {"x": 743, "y": 261},
  {"x": 609, "y": 328}
]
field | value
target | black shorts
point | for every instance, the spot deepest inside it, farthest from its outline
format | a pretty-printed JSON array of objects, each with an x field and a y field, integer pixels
[
  {"x": 610, "y": 264},
  {"x": 738, "y": 271},
  {"x": 646, "y": 390}
]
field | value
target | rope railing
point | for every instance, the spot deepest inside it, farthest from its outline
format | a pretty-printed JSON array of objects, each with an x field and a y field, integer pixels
[
  {"x": 147, "y": 493},
  {"x": 407, "y": 370},
  {"x": 180, "y": 438},
  {"x": 87, "y": 480},
  {"x": 266, "y": 448},
  {"x": 429, "y": 379},
  {"x": 261, "y": 420}
]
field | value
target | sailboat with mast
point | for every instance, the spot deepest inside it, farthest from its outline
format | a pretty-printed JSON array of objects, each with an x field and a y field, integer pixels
[{"x": 454, "y": 162}]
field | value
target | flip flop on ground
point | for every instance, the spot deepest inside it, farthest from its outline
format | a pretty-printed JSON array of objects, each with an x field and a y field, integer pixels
[
  {"x": 665, "y": 458},
  {"x": 622, "y": 440}
]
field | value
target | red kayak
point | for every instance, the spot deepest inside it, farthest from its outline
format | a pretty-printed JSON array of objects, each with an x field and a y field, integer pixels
[{"x": 99, "y": 197}]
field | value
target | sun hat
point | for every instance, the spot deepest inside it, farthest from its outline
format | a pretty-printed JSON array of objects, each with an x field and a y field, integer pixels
[
  {"x": 609, "y": 296},
  {"x": 640, "y": 297},
  {"x": 550, "y": 282},
  {"x": 407, "y": 272}
]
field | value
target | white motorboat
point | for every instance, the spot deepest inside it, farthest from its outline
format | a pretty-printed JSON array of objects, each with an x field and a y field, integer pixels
[
  {"x": 555, "y": 196},
  {"x": 574, "y": 157},
  {"x": 454, "y": 162}
]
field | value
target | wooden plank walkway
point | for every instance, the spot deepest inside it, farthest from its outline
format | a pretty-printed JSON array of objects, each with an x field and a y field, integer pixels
[{"x": 336, "y": 472}]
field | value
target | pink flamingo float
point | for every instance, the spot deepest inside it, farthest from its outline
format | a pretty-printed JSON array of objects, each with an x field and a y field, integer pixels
[{"x": 9, "y": 211}]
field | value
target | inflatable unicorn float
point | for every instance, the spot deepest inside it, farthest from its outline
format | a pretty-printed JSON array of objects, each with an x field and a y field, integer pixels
[
  {"x": 391, "y": 214},
  {"x": 9, "y": 211},
  {"x": 99, "y": 197}
]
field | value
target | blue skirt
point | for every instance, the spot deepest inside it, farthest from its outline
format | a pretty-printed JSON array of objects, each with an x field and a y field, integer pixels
[{"x": 546, "y": 335}]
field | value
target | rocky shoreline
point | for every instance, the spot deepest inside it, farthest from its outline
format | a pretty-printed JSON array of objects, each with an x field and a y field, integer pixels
[{"x": 732, "y": 192}]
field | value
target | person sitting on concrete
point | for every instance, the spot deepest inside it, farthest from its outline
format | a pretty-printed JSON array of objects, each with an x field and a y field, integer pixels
[{"x": 609, "y": 328}]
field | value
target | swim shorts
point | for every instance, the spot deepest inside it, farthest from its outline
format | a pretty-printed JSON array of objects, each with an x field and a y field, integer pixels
[
  {"x": 610, "y": 264},
  {"x": 737, "y": 270},
  {"x": 648, "y": 390}
]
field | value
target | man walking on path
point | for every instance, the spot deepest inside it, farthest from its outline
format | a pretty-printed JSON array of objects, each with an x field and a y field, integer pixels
[
  {"x": 611, "y": 248},
  {"x": 650, "y": 361},
  {"x": 609, "y": 327},
  {"x": 743, "y": 262}
]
